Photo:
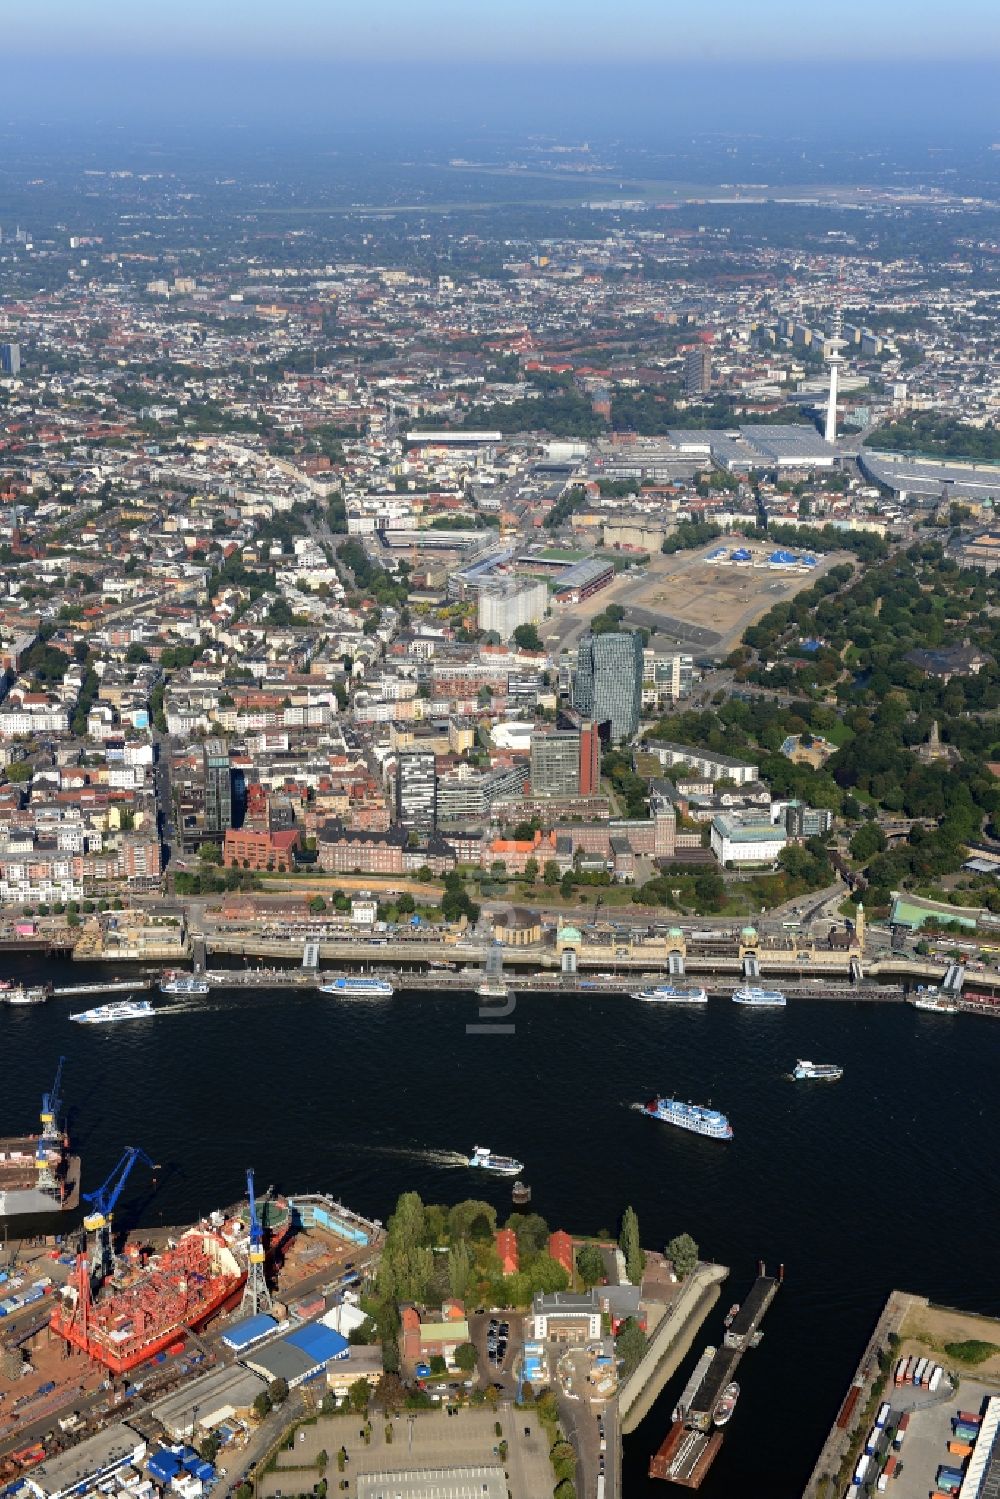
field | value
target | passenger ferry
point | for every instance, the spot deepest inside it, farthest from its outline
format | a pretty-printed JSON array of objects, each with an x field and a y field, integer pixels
[
  {"x": 692, "y": 1116},
  {"x": 493, "y": 988},
  {"x": 23, "y": 994},
  {"x": 183, "y": 983},
  {"x": 667, "y": 994},
  {"x": 122, "y": 1009},
  {"x": 820, "y": 1072},
  {"x": 933, "y": 999},
  {"x": 353, "y": 986},
  {"x": 485, "y": 1160},
  {"x": 759, "y": 998}
]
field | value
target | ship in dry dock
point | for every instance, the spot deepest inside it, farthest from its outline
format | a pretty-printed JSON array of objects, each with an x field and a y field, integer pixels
[
  {"x": 38, "y": 1174},
  {"x": 693, "y": 1441}
]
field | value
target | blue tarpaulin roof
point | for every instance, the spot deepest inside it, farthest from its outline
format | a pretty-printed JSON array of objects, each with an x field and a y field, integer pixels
[
  {"x": 318, "y": 1342},
  {"x": 742, "y": 555},
  {"x": 245, "y": 1333},
  {"x": 783, "y": 557}
]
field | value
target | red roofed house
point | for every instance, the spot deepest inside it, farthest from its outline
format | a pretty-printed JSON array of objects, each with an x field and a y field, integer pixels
[
  {"x": 507, "y": 1250},
  {"x": 561, "y": 1250}
]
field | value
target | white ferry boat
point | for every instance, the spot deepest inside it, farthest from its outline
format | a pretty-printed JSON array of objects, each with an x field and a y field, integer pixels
[
  {"x": 485, "y": 1160},
  {"x": 122, "y": 1009},
  {"x": 820, "y": 1072},
  {"x": 692, "y": 1116},
  {"x": 183, "y": 983},
  {"x": 759, "y": 998},
  {"x": 667, "y": 994},
  {"x": 24, "y": 994},
  {"x": 933, "y": 999},
  {"x": 492, "y": 988},
  {"x": 354, "y": 986}
]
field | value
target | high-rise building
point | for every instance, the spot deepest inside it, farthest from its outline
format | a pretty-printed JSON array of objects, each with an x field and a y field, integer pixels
[
  {"x": 566, "y": 761},
  {"x": 416, "y": 790},
  {"x": 608, "y": 683},
  {"x": 698, "y": 370},
  {"x": 218, "y": 787},
  {"x": 10, "y": 359},
  {"x": 555, "y": 763},
  {"x": 505, "y": 603}
]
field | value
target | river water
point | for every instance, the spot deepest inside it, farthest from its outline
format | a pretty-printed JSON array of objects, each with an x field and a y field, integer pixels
[{"x": 881, "y": 1180}]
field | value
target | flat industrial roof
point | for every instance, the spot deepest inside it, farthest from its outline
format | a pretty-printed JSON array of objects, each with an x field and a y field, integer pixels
[{"x": 234, "y": 1386}]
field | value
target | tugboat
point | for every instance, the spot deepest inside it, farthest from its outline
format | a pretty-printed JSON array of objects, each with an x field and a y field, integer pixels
[
  {"x": 24, "y": 994},
  {"x": 727, "y": 1404}
]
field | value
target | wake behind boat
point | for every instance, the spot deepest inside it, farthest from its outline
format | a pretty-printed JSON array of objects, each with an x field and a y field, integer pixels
[
  {"x": 690, "y": 1116},
  {"x": 122, "y": 1009},
  {"x": 667, "y": 994},
  {"x": 759, "y": 998},
  {"x": 354, "y": 986}
]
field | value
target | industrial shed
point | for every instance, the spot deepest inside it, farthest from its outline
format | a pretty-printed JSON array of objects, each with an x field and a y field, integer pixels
[{"x": 299, "y": 1356}]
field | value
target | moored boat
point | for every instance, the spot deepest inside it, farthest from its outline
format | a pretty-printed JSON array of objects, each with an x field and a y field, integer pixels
[
  {"x": 933, "y": 999},
  {"x": 759, "y": 998},
  {"x": 357, "y": 986},
  {"x": 727, "y": 1404},
  {"x": 667, "y": 994},
  {"x": 24, "y": 994},
  {"x": 183, "y": 983}
]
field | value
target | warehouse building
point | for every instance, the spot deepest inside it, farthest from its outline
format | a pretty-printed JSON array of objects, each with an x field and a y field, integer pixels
[
  {"x": 300, "y": 1356},
  {"x": 221, "y": 1395},
  {"x": 88, "y": 1464}
]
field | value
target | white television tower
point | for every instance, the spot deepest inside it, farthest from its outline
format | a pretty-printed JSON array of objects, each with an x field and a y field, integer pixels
[{"x": 834, "y": 359}]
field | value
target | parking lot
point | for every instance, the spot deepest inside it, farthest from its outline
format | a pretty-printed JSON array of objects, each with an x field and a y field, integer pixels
[{"x": 429, "y": 1442}]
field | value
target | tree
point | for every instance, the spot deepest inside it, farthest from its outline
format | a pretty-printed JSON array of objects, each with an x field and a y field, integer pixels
[
  {"x": 682, "y": 1252},
  {"x": 438, "y": 1364},
  {"x": 465, "y": 1357},
  {"x": 278, "y": 1391},
  {"x": 527, "y": 638},
  {"x": 317, "y": 905},
  {"x": 261, "y": 1405},
  {"x": 590, "y": 1264},
  {"x": 630, "y": 1345},
  {"x": 459, "y": 1270},
  {"x": 531, "y": 870},
  {"x": 357, "y": 1395},
  {"x": 550, "y": 874},
  {"x": 868, "y": 841},
  {"x": 564, "y": 1489},
  {"x": 631, "y": 1246}
]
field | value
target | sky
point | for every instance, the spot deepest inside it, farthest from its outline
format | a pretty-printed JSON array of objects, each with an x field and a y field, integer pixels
[{"x": 506, "y": 31}]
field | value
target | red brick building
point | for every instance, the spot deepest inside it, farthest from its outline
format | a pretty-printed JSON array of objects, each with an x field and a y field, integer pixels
[{"x": 251, "y": 848}]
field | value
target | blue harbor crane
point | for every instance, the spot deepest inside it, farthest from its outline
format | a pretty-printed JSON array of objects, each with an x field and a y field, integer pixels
[
  {"x": 256, "y": 1296},
  {"x": 98, "y": 1222},
  {"x": 52, "y": 1106}
]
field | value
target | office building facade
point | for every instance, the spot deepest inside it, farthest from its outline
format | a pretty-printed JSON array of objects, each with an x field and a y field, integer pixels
[
  {"x": 10, "y": 359},
  {"x": 416, "y": 790},
  {"x": 218, "y": 788},
  {"x": 698, "y": 371},
  {"x": 607, "y": 687}
]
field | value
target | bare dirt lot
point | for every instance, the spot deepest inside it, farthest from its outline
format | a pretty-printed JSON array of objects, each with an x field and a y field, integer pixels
[
  {"x": 928, "y": 1328},
  {"x": 693, "y": 603}
]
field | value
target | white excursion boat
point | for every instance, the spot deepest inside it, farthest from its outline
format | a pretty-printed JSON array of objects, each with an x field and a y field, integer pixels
[
  {"x": 183, "y": 983},
  {"x": 762, "y": 999},
  {"x": 820, "y": 1072},
  {"x": 121, "y": 1009},
  {"x": 355, "y": 986},
  {"x": 485, "y": 1160},
  {"x": 667, "y": 994}
]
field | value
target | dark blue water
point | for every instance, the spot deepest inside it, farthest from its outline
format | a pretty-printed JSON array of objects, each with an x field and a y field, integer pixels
[{"x": 857, "y": 1187}]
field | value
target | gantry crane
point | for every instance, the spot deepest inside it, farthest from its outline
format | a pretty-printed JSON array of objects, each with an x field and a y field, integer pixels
[
  {"x": 52, "y": 1106},
  {"x": 256, "y": 1296},
  {"x": 98, "y": 1222}
]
